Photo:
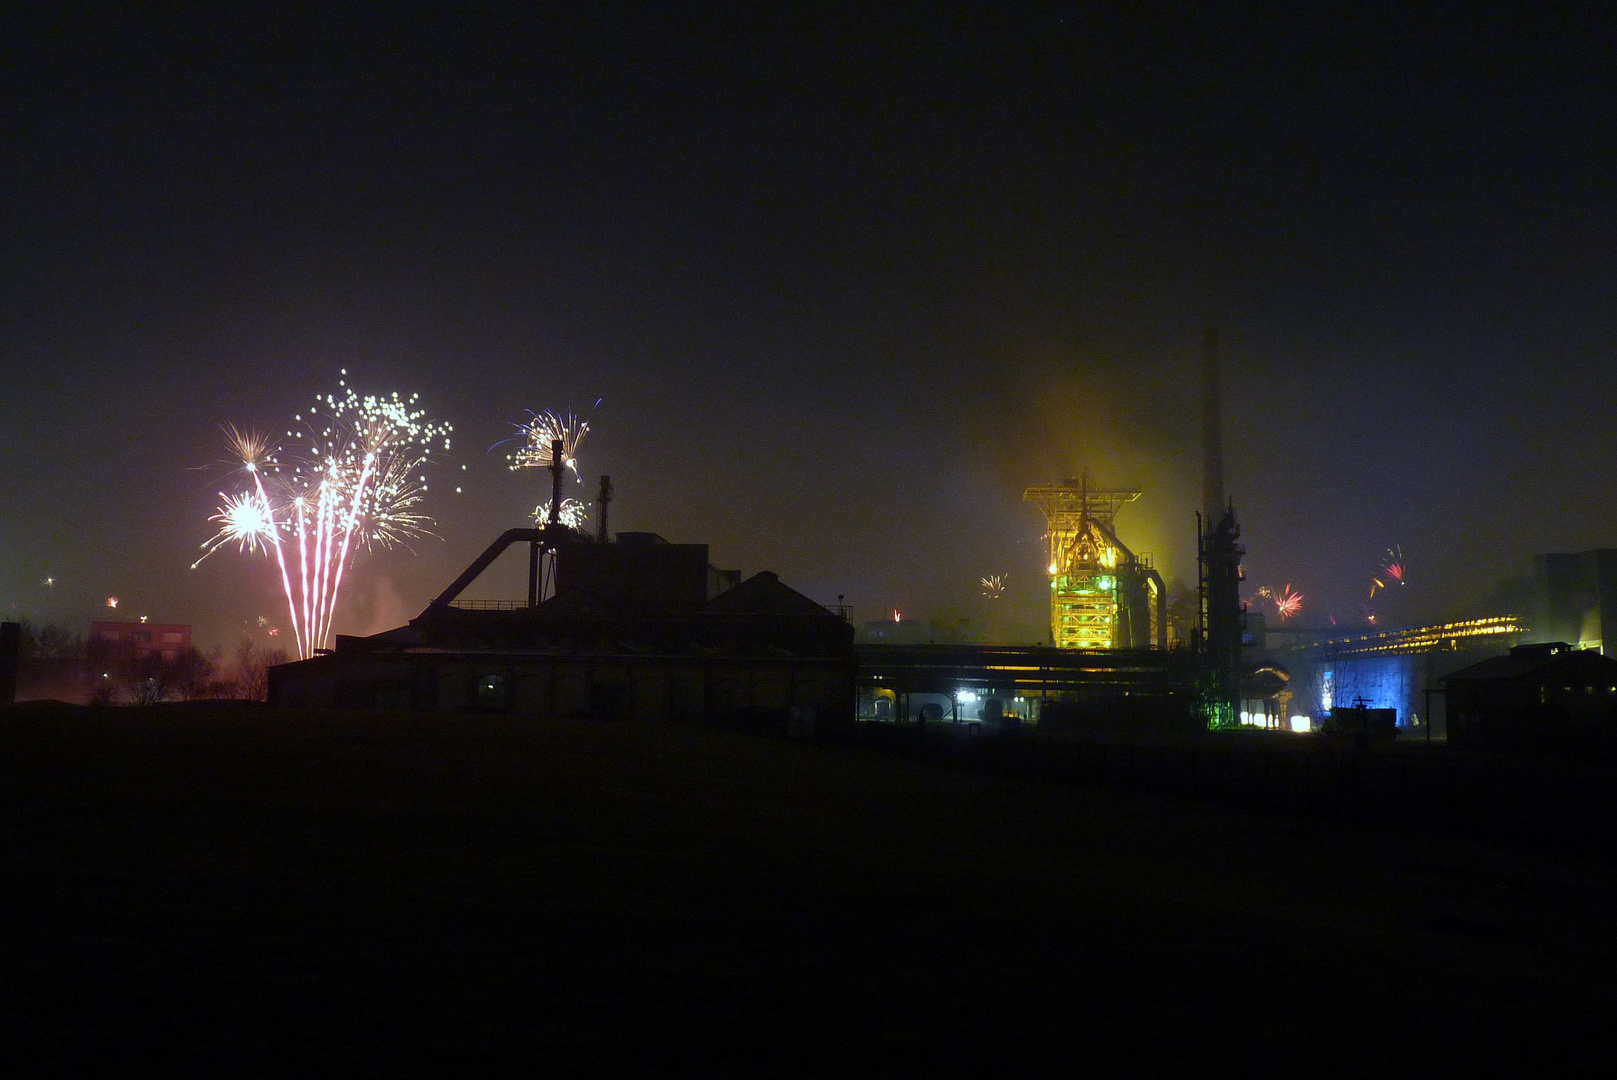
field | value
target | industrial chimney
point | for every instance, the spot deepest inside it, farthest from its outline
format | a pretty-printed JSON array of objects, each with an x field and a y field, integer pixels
[{"x": 1213, "y": 505}]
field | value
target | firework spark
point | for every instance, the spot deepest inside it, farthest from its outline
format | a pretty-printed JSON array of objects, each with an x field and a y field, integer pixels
[
  {"x": 994, "y": 586},
  {"x": 1287, "y": 602},
  {"x": 354, "y": 482},
  {"x": 1392, "y": 572},
  {"x": 573, "y": 514},
  {"x": 245, "y": 519},
  {"x": 544, "y": 429}
]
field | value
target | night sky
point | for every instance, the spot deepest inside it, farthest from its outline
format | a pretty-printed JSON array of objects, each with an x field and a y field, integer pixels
[{"x": 843, "y": 287}]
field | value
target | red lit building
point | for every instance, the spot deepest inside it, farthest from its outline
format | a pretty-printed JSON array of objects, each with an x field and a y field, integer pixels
[{"x": 139, "y": 641}]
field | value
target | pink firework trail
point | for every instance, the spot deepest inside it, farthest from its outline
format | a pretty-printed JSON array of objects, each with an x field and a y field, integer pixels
[{"x": 355, "y": 482}]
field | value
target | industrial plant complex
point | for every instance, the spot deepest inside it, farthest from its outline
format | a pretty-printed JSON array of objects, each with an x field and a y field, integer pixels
[
  {"x": 634, "y": 626},
  {"x": 630, "y": 625}
]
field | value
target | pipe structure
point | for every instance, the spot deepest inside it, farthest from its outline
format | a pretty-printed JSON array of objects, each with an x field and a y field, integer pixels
[
  {"x": 556, "y": 465},
  {"x": 1212, "y": 433}
]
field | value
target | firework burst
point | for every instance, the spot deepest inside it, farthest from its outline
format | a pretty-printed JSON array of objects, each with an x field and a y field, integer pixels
[
  {"x": 1394, "y": 566},
  {"x": 542, "y": 430},
  {"x": 1287, "y": 602},
  {"x": 246, "y": 520},
  {"x": 993, "y": 586},
  {"x": 1393, "y": 571},
  {"x": 354, "y": 481},
  {"x": 573, "y": 514}
]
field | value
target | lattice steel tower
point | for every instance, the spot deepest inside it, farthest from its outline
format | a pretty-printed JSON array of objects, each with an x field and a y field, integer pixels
[{"x": 1102, "y": 595}]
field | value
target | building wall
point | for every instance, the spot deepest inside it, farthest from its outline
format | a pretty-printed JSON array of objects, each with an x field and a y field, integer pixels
[
  {"x": 641, "y": 688},
  {"x": 1532, "y": 709},
  {"x": 1383, "y": 682},
  {"x": 1576, "y": 599},
  {"x": 140, "y": 640}
]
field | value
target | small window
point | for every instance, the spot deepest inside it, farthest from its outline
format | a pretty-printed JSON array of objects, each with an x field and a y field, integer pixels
[{"x": 491, "y": 691}]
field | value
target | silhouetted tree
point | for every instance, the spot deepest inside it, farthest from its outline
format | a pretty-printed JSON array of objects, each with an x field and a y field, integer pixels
[{"x": 251, "y": 669}]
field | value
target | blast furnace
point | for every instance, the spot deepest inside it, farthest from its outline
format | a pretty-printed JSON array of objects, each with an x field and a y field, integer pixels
[{"x": 1102, "y": 595}]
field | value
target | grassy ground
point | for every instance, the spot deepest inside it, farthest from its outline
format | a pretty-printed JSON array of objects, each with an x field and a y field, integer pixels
[{"x": 244, "y": 891}]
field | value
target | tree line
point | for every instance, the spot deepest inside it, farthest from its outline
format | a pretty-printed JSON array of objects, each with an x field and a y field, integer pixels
[{"x": 57, "y": 662}]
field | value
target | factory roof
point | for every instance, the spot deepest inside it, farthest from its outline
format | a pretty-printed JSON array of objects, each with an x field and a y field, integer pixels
[{"x": 1554, "y": 661}]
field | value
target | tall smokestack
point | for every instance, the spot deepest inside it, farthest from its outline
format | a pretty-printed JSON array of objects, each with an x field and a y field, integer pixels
[{"x": 1213, "y": 505}]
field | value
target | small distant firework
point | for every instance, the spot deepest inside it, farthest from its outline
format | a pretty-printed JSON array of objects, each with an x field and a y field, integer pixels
[
  {"x": 355, "y": 481},
  {"x": 994, "y": 586},
  {"x": 573, "y": 514},
  {"x": 112, "y": 601},
  {"x": 1392, "y": 572},
  {"x": 49, "y": 583},
  {"x": 1287, "y": 602},
  {"x": 143, "y": 619},
  {"x": 543, "y": 430},
  {"x": 896, "y": 616}
]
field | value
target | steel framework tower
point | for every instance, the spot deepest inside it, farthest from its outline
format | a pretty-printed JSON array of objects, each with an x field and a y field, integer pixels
[{"x": 1102, "y": 595}]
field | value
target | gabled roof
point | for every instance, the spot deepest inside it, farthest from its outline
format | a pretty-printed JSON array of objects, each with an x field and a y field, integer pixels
[
  {"x": 580, "y": 602},
  {"x": 766, "y": 594},
  {"x": 1538, "y": 664}
]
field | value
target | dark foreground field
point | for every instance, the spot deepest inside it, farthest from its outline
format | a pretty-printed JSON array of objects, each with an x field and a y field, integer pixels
[{"x": 242, "y": 891}]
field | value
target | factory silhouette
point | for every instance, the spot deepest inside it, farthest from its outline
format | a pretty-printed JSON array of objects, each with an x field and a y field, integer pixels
[{"x": 634, "y": 626}]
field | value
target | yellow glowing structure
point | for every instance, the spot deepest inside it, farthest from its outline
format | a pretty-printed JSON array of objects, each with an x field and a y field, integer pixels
[
  {"x": 1102, "y": 596},
  {"x": 1442, "y": 637}
]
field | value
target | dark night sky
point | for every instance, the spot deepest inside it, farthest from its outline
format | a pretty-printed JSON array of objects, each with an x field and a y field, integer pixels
[{"x": 845, "y": 287}]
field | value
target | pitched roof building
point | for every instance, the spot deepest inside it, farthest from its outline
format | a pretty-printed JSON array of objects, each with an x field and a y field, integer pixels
[
  {"x": 637, "y": 628},
  {"x": 1536, "y": 693}
]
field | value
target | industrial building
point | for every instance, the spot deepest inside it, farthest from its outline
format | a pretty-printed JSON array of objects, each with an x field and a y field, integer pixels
[
  {"x": 138, "y": 640},
  {"x": 1572, "y": 608},
  {"x": 1102, "y": 595},
  {"x": 636, "y": 628},
  {"x": 1576, "y": 598},
  {"x": 1399, "y": 669},
  {"x": 1540, "y": 693}
]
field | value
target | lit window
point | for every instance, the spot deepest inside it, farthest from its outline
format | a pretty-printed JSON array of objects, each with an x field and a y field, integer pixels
[{"x": 491, "y": 691}]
